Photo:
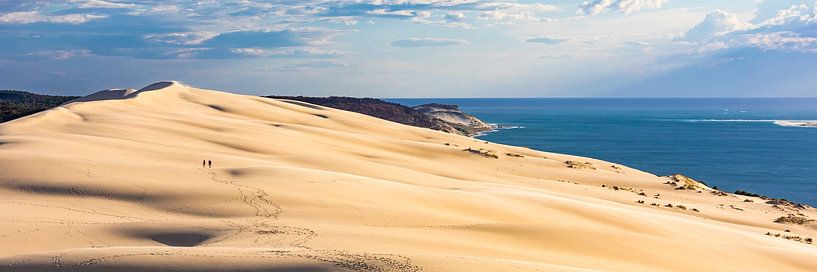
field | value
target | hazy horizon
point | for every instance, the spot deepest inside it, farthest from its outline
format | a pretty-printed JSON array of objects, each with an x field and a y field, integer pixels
[
  {"x": 568, "y": 135},
  {"x": 295, "y": 93}
]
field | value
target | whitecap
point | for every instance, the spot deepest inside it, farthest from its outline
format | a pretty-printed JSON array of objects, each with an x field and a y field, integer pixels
[
  {"x": 496, "y": 128},
  {"x": 797, "y": 123},
  {"x": 783, "y": 123}
]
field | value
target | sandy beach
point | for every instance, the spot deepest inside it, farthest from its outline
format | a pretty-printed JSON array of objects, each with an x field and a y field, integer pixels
[{"x": 115, "y": 182}]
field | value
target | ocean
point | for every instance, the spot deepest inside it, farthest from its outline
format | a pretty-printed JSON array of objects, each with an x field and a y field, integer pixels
[{"x": 750, "y": 144}]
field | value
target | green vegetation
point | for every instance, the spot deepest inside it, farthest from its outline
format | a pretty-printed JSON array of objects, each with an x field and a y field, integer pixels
[
  {"x": 745, "y": 193},
  {"x": 805, "y": 240},
  {"x": 509, "y": 154},
  {"x": 16, "y": 104},
  {"x": 793, "y": 219},
  {"x": 488, "y": 153},
  {"x": 580, "y": 165}
]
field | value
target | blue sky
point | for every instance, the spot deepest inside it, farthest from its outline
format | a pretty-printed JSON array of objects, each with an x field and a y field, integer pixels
[{"x": 416, "y": 48}]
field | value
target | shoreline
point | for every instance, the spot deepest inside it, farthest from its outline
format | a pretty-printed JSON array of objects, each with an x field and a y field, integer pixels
[
  {"x": 306, "y": 186},
  {"x": 730, "y": 176},
  {"x": 495, "y": 128}
]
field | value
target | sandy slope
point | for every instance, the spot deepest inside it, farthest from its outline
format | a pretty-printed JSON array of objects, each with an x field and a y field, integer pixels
[{"x": 114, "y": 183}]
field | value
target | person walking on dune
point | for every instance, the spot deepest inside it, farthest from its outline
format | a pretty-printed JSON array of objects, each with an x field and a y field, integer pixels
[
  {"x": 210, "y": 163},
  {"x": 203, "y": 163}
]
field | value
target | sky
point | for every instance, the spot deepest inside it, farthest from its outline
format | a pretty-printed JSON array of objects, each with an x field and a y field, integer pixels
[{"x": 416, "y": 48}]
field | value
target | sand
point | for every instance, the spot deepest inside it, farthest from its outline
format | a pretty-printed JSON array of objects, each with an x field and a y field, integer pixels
[{"x": 114, "y": 182}]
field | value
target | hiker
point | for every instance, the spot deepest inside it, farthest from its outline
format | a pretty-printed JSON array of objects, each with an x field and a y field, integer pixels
[
  {"x": 203, "y": 163},
  {"x": 210, "y": 163}
]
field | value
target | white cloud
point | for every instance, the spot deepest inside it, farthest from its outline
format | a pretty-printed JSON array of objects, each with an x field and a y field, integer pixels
[
  {"x": 399, "y": 13},
  {"x": 783, "y": 41},
  {"x": 767, "y": 9},
  {"x": 509, "y": 12},
  {"x": 426, "y": 42},
  {"x": 455, "y": 16},
  {"x": 257, "y": 52},
  {"x": 792, "y": 28},
  {"x": 793, "y": 15},
  {"x": 594, "y": 7},
  {"x": 62, "y": 54},
  {"x": 165, "y": 9},
  {"x": 499, "y": 16},
  {"x": 422, "y": 21},
  {"x": 347, "y": 21},
  {"x": 546, "y": 40},
  {"x": 290, "y": 52},
  {"x": 102, "y": 4},
  {"x": 183, "y": 38},
  {"x": 511, "y": 6},
  {"x": 715, "y": 24},
  {"x": 29, "y": 17}
]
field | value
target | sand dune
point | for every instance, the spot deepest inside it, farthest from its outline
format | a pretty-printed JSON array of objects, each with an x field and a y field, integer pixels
[{"x": 114, "y": 182}]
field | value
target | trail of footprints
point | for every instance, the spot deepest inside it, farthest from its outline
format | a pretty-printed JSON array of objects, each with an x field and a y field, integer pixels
[
  {"x": 267, "y": 235},
  {"x": 254, "y": 197},
  {"x": 341, "y": 259},
  {"x": 57, "y": 261},
  {"x": 91, "y": 262}
]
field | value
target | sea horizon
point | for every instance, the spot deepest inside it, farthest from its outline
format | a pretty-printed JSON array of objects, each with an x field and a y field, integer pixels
[
  {"x": 603, "y": 128},
  {"x": 569, "y": 135},
  {"x": 601, "y": 97}
]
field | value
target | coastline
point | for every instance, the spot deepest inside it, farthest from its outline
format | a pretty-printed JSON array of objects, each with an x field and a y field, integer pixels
[
  {"x": 495, "y": 128},
  {"x": 650, "y": 135},
  {"x": 297, "y": 185}
]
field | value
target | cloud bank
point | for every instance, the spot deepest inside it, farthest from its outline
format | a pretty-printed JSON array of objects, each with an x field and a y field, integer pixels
[
  {"x": 792, "y": 28},
  {"x": 546, "y": 39},
  {"x": 595, "y": 7},
  {"x": 426, "y": 42}
]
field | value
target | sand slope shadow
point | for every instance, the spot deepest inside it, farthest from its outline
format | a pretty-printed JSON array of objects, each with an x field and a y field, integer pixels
[
  {"x": 302, "y": 104},
  {"x": 180, "y": 239},
  {"x": 118, "y": 94},
  {"x": 174, "y": 236}
]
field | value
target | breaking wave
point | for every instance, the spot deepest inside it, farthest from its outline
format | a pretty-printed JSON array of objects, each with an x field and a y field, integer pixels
[
  {"x": 783, "y": 123},
  {"x": 496, "y": 128}
]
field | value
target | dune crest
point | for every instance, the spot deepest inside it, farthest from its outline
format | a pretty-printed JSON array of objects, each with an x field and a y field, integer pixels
[
  {"x": 115, "y": 182},
  {"x": 115, "y": 94}
]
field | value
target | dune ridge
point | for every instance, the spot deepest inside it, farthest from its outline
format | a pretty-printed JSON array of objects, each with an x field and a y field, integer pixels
[{"x": 114, "y": 182}]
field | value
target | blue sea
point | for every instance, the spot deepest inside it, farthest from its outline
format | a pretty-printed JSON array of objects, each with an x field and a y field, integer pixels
[{"x": 731, "y": 143}]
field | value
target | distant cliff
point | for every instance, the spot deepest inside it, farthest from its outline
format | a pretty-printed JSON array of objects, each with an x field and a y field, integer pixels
[
  {"x": 447, "y": 118},
  {"x": 451, "y": 114},
  {"x": 440, "y": 117},
  {"x": 16, "y": 104}
]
